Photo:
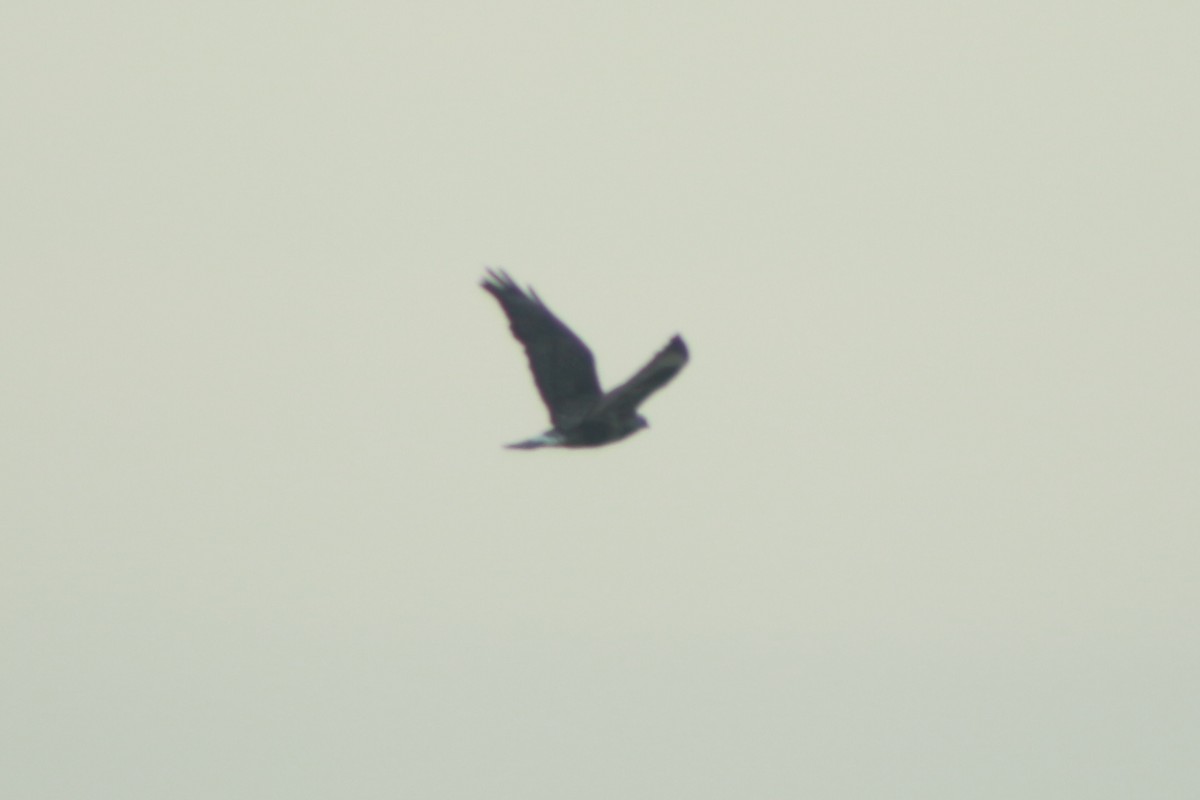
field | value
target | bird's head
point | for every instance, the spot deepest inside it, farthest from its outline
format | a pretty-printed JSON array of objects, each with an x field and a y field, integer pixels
[{"x": 628, "y": 427}]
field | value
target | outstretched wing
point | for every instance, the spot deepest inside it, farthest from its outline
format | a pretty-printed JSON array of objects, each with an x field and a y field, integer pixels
[
  {"x": 665, "y": 365},
  {"x": 562, "y": 365}
]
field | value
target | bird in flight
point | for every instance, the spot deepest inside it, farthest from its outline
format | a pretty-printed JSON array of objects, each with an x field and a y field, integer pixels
[{"x": 565, "y": 374}]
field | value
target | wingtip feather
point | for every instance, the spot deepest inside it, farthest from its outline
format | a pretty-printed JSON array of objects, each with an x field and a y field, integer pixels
[{"x": 498, "y": 280}]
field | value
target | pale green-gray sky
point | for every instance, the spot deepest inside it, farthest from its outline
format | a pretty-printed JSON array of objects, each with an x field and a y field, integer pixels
[{"x": 918, "y": 520}]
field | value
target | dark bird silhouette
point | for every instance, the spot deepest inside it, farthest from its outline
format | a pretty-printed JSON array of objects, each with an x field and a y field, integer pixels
[{"x": 565, "y": 374}]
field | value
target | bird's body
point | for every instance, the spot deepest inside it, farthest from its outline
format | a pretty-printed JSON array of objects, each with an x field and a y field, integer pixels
[
  {"x": 565, "y": 373},
  {"x": 589, "y": 433}
]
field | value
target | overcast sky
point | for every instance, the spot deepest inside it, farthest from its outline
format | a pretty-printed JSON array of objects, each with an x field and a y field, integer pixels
[{"x": 919, "y": 519}]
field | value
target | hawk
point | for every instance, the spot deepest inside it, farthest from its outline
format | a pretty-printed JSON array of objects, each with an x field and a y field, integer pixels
[{"x": 565, "y": 374}]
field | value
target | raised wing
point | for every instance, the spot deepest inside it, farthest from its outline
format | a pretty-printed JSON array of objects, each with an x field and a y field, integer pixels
[
  {"x": 665, "y": 365},
  {"x": 562, "y": 365}
]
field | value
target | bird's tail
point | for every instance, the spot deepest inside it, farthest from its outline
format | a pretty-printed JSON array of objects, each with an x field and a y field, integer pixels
[{"x": 547, "y": 439}]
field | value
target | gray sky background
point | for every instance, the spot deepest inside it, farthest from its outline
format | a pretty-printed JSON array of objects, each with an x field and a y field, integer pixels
[{"x": 919, "y": 520}]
